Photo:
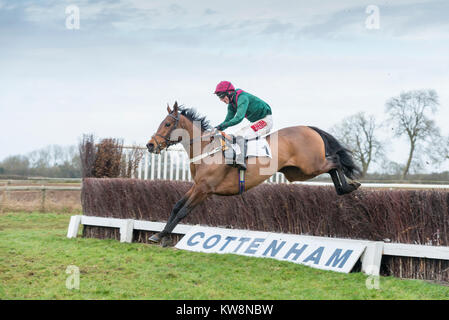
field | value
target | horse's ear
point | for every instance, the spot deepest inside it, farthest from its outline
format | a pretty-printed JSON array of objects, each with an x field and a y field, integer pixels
[
  {"x": 168, "y": 108},
  {"x": 175, "y": 107}
]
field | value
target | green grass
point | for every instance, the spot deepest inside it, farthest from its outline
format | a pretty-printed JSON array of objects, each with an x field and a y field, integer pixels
[{"x": 35, "y": 253}]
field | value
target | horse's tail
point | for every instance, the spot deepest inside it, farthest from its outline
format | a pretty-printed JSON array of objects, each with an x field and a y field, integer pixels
[{"x": 343, "y": 156}]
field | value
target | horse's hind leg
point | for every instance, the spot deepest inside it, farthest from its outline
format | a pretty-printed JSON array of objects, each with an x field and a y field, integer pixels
[
  {"x": 292, "y": 173},
  {"x": 336, "y": 181},
  {"x": 338, "y": 178},
  {"x": 341, "y": 185}
]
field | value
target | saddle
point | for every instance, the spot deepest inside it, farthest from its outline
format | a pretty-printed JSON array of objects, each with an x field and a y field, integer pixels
[
  {"x": 238, "y": 149},
  {"x": 235, "y": 152}
]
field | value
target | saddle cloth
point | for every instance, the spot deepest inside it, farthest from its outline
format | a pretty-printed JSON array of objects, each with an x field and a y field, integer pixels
[{"x": 255, "y": 148}]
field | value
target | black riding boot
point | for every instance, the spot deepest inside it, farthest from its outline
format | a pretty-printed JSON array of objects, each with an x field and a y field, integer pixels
[
  {"x": 240, "y": 158},
  {"x": 235, "y": 154}
]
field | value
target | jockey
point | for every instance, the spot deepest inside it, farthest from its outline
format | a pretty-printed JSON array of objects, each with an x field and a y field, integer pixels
[{"x": 241, "y": 105}]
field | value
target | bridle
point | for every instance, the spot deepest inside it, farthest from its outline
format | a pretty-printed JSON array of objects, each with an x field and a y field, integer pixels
[{"x": 167, "y": 140}]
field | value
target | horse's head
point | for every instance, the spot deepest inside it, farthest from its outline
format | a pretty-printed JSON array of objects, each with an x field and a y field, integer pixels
[{"x": 161, "y": 139}]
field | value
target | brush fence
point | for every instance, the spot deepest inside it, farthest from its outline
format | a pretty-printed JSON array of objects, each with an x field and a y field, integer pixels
[{"x": 370, "y": 259}]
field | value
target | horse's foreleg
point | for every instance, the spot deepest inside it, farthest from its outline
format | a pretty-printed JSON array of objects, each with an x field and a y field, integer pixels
[
  {"x": 189, "y": 203},
  {"x": 192, "y": 202},
  {"x": 178, "y": 206}
]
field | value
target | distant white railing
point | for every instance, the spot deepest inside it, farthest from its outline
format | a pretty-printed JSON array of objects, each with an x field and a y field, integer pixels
[{"x": 173, "y": 164}]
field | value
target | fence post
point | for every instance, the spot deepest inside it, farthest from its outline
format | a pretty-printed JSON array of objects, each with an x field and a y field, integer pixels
[
  {"x": 74, "y": 225},
  {"x": 159, "y": 158},
  {"x": 372, "y": 257},
  {"x": 5, "y": 196},
  {"x": 178, "y": 155},
  {"x": 146, "y": 166},
  {"x": 184, "y": 171},
  {"x": 152, "y": 166},
  {"x": 165, "y": 165},
  {"x": 171, "y": 165},
  {"x": 126, "y": 231},
  {"x": 139, "y": 169},
  {"x": 44, "y": 195}
]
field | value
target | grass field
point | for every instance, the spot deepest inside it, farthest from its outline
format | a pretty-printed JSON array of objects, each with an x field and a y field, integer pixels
[{"x": 35, "y": 255}]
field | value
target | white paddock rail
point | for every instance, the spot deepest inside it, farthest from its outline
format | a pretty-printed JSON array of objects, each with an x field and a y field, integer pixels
[
  {"x": 371, "y": 258},
  {"x": 173, "y": 164}
]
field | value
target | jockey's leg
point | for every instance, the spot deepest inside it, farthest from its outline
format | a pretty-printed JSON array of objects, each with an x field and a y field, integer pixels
[
  {"x": 249, "y": 132},
  {"x": 240, "y": 157},
  {"x": 257, "y": 128}
]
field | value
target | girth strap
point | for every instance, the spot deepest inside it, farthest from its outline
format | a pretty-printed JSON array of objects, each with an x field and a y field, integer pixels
[{"x": 241, "y": 181}]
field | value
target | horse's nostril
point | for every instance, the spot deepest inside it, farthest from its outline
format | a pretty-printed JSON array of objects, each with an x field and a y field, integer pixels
[{"x": 150, "y": 146}]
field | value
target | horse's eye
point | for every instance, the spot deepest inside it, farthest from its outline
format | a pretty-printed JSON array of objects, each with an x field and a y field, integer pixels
[{"x": 168, "y": 124}]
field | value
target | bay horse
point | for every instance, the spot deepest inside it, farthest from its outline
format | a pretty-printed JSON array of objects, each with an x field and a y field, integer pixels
[{"x": 299, "y": 152}]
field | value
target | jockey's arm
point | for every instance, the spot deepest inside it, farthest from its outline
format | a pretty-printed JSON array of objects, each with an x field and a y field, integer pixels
[
  {"x": 229, "y": 116},
  {"x": 238, "y": 116}
]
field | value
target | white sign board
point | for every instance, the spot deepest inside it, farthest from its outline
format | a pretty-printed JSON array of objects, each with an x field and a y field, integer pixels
[{"x": 322, "y": 253}]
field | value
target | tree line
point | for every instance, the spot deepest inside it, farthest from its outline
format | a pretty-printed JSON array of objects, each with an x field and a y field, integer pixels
[
  {"x": 409, "y": 115},
  {"x": 53, "y": 161}
]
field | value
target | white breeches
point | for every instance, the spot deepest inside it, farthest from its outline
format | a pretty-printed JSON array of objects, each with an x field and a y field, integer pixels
[{"x": 256, "y": 129}]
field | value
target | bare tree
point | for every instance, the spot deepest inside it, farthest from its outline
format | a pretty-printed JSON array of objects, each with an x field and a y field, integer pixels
[
  {"x": 445, "y": 148},
  {"x": 358, "y": 133},
  {"x": 40, "y": 158},
  {"x": 87, "y": 155},
  {"x": 409, "y": 114}
]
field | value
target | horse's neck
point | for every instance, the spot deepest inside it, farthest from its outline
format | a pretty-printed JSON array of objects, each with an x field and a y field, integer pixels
[{"x": 197, "y": 147}]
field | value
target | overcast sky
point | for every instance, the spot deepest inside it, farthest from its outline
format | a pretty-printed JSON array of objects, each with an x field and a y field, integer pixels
[{"x": 314, "y": 64}]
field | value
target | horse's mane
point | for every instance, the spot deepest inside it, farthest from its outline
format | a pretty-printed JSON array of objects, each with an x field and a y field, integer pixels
[{"x": 193, "y": 115}]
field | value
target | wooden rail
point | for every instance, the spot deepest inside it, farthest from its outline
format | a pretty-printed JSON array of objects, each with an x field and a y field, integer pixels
[{"x": 43, "y": 189}]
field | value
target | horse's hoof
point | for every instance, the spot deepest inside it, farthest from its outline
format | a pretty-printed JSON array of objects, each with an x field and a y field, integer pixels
[
  {"x": 155, "y": 238},
  {"x": 356, "y": 184},
  {"x": 166, "y": 242}
]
